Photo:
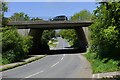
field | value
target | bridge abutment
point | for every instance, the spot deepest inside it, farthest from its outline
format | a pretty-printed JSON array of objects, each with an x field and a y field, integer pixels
[
  {"x": 37, "y": 44},
  {"x": 81, "y": 39}
]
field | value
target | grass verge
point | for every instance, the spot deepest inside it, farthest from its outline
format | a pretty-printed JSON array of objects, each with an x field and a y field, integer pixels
[
  {"x": 102, "y": 65},
  {"x": 20, "y": 64},
  {"x": 53, "y": 43}
]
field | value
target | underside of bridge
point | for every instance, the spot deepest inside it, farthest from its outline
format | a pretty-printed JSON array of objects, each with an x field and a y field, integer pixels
[
  {"x": 38, "y": 46},
  {"x": 37, "y": 28}
]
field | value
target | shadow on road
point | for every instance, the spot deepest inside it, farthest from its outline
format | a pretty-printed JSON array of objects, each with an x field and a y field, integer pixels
[{"x": 59, "y": 51}]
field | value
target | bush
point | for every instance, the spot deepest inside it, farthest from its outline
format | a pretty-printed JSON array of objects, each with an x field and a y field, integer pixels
[
  {"x": 47, "y": 35},
  {"x": 102, "y": 65},
  {"x": 105, "y": 31},
  {"x": 70, "y": 36},
  {"x": 14, "y": 46}
]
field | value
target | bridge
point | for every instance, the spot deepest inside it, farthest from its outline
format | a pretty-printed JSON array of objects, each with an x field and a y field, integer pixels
[
  {"x": 49, "y": 24},
  {"x": 37, "y": 28}
]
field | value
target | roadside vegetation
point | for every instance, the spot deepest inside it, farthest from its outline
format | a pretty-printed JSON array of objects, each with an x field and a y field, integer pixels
[
  {"x": 104, "y": 48},
  {"x": 53, "y": 43},
  {"x": 14, "y": 46},
  {"x": 69, "y": 35},
  {"x": 46, "y": 37},
  {"x": 102, "y": 65}
]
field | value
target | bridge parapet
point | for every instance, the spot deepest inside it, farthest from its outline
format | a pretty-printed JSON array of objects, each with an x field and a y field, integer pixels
[{"x": 49, "y": 24}]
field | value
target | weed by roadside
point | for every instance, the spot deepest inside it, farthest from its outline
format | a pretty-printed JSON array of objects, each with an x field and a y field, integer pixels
[{"x": 102, "y": 65}]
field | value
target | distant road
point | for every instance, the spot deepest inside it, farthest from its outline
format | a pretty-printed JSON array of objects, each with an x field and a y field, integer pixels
[{"x": 53, "y": 66}]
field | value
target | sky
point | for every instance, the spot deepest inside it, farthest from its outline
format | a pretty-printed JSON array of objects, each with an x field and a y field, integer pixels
[
  {"x": 48, "y": 10},
  {"x": 52, "y": 0}
]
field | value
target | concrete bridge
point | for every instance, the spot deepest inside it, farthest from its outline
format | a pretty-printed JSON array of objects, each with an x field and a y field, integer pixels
[
  {"x": 49, "y": 24},
  {"x": 37, "y": 28}
]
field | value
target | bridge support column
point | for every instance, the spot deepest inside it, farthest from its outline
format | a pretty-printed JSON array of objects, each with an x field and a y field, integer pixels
[
  {"x": 81, "y": 39},
  {"x": 37, "y": 35}
]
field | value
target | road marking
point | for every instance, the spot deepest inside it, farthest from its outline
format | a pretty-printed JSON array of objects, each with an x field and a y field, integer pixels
[
  {"x": 54, "y": 64},
  {"x": 62, "y": 58},
  {"x": 34, "y": 74},
  {"x": 58, "y": 61}
]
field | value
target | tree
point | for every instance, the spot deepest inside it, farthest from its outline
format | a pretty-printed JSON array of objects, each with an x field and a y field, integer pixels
[
  {"x": 3, "y": 9},
  {"x": 19, "y": 17},
  {"x": 105, "y": 31},
  {"x": 47, "y": 35},
  {"x": 69, "y": 35},
  {"x": 36, "y": 19},
  {"x": 14, "y": 46},
  {"x": 82, "y": 16}
]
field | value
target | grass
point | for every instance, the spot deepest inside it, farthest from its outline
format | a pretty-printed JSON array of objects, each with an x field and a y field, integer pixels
[
  {"x": 53, "y": 43},
  {"x": 102, "y": 65}
]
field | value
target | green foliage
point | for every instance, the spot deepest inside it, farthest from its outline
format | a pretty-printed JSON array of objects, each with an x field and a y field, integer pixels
[
  {"x": 36, "y": 19},
  {"x": 3, "y": 9},
  {"x": 47, "y": 35},
  {"x": 105, "y": 31},
  {"x": 19, "y": 17},
  {"x": 52, "y": 43},
  {"x": 4, "y": 6},
  {"x": 69, "y": 35},
  {"x": 14, "y": 46},
  {"x": 102, "y": 65},
  {"x": 82, "y": 16}
]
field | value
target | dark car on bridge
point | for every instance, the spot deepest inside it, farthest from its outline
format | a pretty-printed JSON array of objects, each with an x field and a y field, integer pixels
[{"x": 59, "y": 18}]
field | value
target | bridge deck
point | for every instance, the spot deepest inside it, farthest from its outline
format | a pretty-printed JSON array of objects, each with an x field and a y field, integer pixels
[{"x": 49, "y": 24}]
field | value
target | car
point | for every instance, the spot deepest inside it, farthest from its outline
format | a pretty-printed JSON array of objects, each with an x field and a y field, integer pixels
[{"x": 59, "y": 18}]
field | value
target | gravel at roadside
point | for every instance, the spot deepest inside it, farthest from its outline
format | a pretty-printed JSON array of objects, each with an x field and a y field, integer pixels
[{"x": 106, "y": 75}]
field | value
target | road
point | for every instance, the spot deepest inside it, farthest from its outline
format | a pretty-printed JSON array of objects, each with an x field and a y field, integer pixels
[{"x": 53, "y": 66}]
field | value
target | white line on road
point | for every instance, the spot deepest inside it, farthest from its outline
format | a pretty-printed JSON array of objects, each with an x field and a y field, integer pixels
[
  {"x": 58, "y": 61},
  {"x": 62, "y": 58},
  {"x": 34, "y": 74},
  {"x": 54, "y": 64}
]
